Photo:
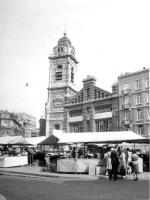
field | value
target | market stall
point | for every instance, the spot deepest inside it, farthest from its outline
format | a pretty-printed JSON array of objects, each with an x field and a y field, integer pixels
[
  {"x": 9, "y": 157},
  {"x": 80, "y": 159},
  {"x": 83, "y": 165}
]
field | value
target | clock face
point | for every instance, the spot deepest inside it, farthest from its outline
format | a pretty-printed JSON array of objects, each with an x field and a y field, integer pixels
[{"x": 58, "y": 102}]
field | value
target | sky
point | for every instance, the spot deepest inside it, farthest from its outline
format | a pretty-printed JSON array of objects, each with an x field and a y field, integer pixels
[{"x": 110, "y": 38}]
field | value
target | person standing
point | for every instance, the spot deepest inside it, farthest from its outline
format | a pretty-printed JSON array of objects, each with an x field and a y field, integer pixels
[
  {"x": 114, "y": 163},
  {"x": 135, "y": 165},
  {"x": 107, "y": 157},
  {"x": 122, "y": 163}
]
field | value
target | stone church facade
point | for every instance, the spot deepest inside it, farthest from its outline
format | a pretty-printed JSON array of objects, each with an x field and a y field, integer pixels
[
  {"x": 63, "y": 64},
  {"x": 89, "y": 110}
]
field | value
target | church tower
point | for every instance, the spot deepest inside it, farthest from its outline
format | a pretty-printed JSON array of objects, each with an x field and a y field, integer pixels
[{"x": 63, "y": 64}]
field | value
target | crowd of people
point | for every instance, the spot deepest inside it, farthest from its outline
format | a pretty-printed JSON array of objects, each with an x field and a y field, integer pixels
[{"x": 120, "y": 161}]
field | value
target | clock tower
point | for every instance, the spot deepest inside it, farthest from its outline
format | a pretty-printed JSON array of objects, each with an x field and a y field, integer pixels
[{"x": 63, "y": 64}]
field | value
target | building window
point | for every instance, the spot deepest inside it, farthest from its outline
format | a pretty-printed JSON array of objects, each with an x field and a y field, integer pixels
[
  {"x": 88, "y": 93},
  {"x": 75, "y": 127},
  {"x": 75, "y": 113},
  {"x": 60, "y": 49},
  {"x": 82, "y": 96},
  {"x": 95, "y": 94},
  {"x": 59, "y": 73},
  {"x": 138, "y": 85},
  {"x": 99, "y": 94},
  {"x": 139, "y": 114},
  {"x": 140, "y": 129},
  {"x": 79, "y": 98},
  {"x": 88, "y": 126},
  {"x": 126, "y": 101},
  {"x": 147, "y": 82},
  {"x": 138, "y": 99},
  {"x": 148, "y": 114},
  {"x": 72, "y": 75},
  {"x": 102, "y": 109},
  {"x": 127, "y": 116},
  {"x": 88, "y": 110},
  {"x": 103, "y": 125},
  {"x": 103, "y": 95},
  {"x": 147, "y": 98}
]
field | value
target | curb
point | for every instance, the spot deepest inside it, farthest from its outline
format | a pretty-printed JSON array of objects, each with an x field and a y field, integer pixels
[
  {"x": 64, "y": 176},
  {"x": 48, "y": 175}
]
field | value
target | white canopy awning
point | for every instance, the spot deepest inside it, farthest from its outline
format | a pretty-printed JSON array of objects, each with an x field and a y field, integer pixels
[
  {"x": 12, "y": 140},
  {"x": 35, "y": 140},
  {"x": 97, "y": 137},
  {"x": 21, "y": 140}
]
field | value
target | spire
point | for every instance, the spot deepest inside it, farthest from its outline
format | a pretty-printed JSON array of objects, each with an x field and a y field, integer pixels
[{"x": 65, "y": 31}]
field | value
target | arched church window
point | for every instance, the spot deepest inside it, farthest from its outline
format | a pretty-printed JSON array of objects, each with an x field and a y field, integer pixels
[
  {"x": 59, "y": 73},
  {"x": 60, "y": 49}
]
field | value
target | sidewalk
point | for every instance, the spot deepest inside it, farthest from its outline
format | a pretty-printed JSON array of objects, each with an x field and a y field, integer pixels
[
  {"x": 36, "y": 171},
  {"x": 31, "y": 170}
]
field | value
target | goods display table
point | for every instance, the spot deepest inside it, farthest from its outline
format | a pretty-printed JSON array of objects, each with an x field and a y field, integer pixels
[
  {"x": 75, "y": 165},
  {"x": 13, "y": 161}
]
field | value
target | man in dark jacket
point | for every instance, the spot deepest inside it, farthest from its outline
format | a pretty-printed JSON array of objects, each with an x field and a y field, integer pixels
[{"x": 115, "y": 163}]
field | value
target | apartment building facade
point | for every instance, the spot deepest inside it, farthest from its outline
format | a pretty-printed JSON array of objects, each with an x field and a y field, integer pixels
[
  {"x": 28, "y": 122},
  {"x": 9, "y": 125},
  {"x": 133, "y": 92}
]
